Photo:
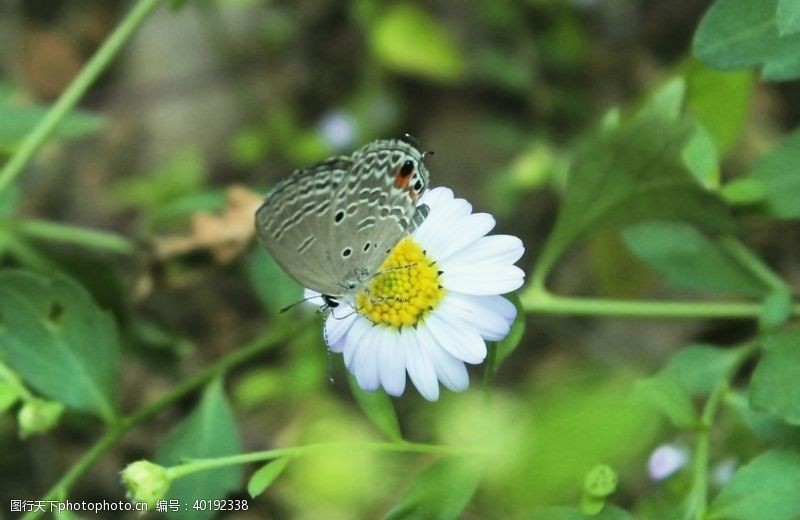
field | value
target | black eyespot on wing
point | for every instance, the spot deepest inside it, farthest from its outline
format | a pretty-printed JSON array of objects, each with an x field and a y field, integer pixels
[
  {"x": 418, "y": 185},
  {"x": 366, "y": 246},
  {"x": 407, "y": 168},
  {"x": 338, "y": 216},
  {"x": 346, "y": 252}
]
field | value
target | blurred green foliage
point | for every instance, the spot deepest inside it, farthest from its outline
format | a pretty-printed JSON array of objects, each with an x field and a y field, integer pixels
[
  {"x": 209, "y": 431},
  {"x": 19, "y": 118},
  {"x": 570, "y": 121}
]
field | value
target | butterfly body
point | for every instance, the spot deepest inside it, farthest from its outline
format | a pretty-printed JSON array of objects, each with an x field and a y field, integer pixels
[{"x": 330, "y": 226}]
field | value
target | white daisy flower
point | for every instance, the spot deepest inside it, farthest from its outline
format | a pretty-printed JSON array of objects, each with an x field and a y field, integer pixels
[{"x": 433, "y": 305}]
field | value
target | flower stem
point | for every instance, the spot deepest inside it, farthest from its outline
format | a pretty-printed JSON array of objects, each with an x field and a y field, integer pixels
[
  {"x": 45, "y": 230},
  {"x": 75, "y": 91},
  {"x": 199, "y": 465},
  {"x": 697, "y": 500},
  {"x": 541, "y": 301},
  {"x": 120, "y": 428}
]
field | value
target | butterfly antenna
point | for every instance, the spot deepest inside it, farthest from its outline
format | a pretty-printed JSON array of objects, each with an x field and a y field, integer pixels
[
  {"x": 295, "y": 304},
  {"x": 413, "y": 140}
]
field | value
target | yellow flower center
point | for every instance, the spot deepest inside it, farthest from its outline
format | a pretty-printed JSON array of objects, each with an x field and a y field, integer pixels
[{"x": 405, "y": 289}]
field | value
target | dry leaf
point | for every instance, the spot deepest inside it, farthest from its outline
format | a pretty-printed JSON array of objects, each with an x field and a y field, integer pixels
[{"x": 226, "y": 235}]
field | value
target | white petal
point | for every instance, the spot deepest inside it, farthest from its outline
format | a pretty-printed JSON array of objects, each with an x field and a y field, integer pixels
[
  {"x": 456, "y": 337},
  {"x": 487, "y": 251},
  {"x": 420, "y": 367},
  {"x": 354, "y": 340},
  {"x": 495, "y": 280},
  {"x": 436, "y": 197},
  {"x": 450, "y": 371},
  {"x": 445, "y": 212},
  {"x": 336, "y": 329},
  {"x": 457, "y": 235},
  {"x": 498, "y": 304},
  {"x": 392, "y": 365},
  {"x": 479, "y": 312},
  {"x": 365, "y": 364}
]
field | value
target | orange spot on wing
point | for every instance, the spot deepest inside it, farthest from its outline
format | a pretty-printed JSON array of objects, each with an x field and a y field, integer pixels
[{"x": 400, "y": 180}]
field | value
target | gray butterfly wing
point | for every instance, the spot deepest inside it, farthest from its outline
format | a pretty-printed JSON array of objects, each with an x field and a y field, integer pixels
[
  {"x": 289, "y": 221},
  {"x": 374, "y": 208},
  {"x": 331, "y": 226}
]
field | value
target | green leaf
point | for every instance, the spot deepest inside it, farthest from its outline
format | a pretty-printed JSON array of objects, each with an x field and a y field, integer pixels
[
  {"x": 573, "y": 513},
  {"x": 687, "y": 259},
  {"x": 693, "y": 372},
  {"x": 665, "y": 392},
  {"x": 700, "y": 157},
  {"x": 666, "y": 101},
  {"x": 737, "y": 33},
  {"x": 19, "y": 118},
  {"x": 180, "y": 176},
  {"x": 777, "y": 309},
  {"x": 209, "y": 431},
  {"x": 276, "y": 289},
  {"x": 767, "y": 488},
  {"x": 744, "y": 191},
  {"x": 700, "y": 367},
  {"x": 744, "y": 33},
  {"x": 442, "y": 491},
  {"x": 265, "y": 476},
  {"x": 56, "y": 337},
  {"x": 788, "y": 16},
  {"x": 775, "y": 385},
  {"x": 377, "y": 406},
  {"x": 406, "y": 39},
  {"x": 719, "y": 100},
  {"x": 777, "y": 172},
  {"x": 542, "y": 456},
  {"x": 634, "y": 173},
  {"x": 183, "y": 207},
  {"x": 9, "y": 200},
  {"x": 784, "y": 65},
  {"x": 764, "y": 425}
]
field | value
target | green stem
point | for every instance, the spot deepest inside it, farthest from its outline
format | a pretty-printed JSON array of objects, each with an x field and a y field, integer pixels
[
  {"x": 120, "y": 428},
  {"x": 698, "y": 495},
  {"x": 45, "y": 230},
  {"x": 199, "y": 465},
  {"x": 75, "y": 91},
  {"x": 697, "y": 501},
  {"x": 543, "y": 302},
  {"x": 750, "y": 261}
]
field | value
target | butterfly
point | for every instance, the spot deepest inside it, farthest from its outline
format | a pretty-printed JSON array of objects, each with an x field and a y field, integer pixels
[{"x": 331, "y": 225}]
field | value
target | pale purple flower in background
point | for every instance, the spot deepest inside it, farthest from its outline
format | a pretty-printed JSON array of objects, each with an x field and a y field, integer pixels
[
  {"x": 666, "y": 460},
  {"x": 338, "y": 129}
]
